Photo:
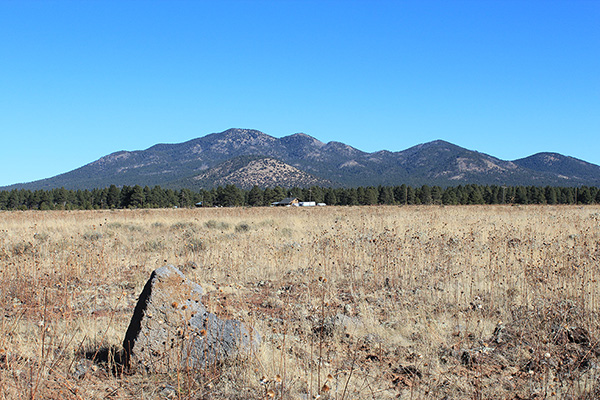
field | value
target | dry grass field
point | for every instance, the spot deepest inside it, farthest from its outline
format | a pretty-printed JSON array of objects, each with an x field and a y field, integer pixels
[{"x": 490, "y": 302}]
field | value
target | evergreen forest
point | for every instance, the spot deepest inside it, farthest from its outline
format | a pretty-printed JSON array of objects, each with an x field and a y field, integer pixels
[{"x": 114, "y": 197}]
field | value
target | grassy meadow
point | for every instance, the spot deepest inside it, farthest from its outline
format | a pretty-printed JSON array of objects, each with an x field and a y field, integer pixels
[{"x": 414, "y": 302}]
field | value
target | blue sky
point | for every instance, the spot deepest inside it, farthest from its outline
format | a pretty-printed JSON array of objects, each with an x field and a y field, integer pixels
[{"x": 82, "y": 79}]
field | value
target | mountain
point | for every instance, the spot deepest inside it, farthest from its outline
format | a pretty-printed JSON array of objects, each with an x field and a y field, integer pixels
[
  {"x": 247, "y": 157},
  {"x": 247, "y": 171},
  {"x": 567, "y": 169}
]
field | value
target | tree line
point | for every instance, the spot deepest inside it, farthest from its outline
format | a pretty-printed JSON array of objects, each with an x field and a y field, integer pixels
[{"x": 156, "y": 197}]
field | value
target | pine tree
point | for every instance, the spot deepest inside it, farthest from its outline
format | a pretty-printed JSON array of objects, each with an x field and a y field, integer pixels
[
  {"x": 136, "y": 198},
  {"x": 584, "y": 196},
  {"x": 3, "y": 200},
  {"x": 231, "y": 196},
  {"x": 352, "y": 195},
  {"x": 295, "y": 192},
  {"x": 550, "y": 194},
  {"x": 521, "y": 195},
  {"x": 269, "y": 196},
  {"x": 280, "y": 193},
  {"x": 255, "y": 196},
  {"x": 371, "y": 195},
  {"x": 330, "y": 197},
  {"x": 400, "y": 194},
  {"x": 411, "y": 198},
  {"x": 207, "y": 198},
  {"x": 113, "y": 197},
  {"x": 386, "y": 195},
  {"x": 425, "y": 195},
  {"x": 436, "y": 195},
  {"x": 449, "y": 197},
  {"x": 475, "y": 196}
]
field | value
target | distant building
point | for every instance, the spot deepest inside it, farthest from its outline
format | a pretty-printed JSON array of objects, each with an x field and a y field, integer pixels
[{"x": 288, "y": 201}]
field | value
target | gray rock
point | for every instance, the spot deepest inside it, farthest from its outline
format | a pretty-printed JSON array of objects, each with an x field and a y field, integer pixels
[
  {"x": 338, "y": 323},
  {"x": 171, "y": 328},
  {"x": 168, "y": 392},
  {"x": 82, "y": 368},
  {"x": 341, "y": 321}
]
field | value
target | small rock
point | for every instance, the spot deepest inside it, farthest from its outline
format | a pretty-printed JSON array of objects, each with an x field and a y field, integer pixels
[
  {"x": 348, "y": 309},
  {"x": 82, "y": 368},
  {"x": 372, "y": 339},
  {"x": 578, "y": 335},
  {"x": 466, "y": 359},
  {"x": 338, "y": 322},
  {"x": 168, "y": 392},
  {"x": 409, "y": 370}
]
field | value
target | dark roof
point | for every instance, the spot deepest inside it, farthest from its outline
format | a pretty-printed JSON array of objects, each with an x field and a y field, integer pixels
[{"x": 289, "y": 200}]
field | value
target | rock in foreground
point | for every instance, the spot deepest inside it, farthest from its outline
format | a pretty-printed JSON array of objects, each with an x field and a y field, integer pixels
[{"x": 171, "y": 329}]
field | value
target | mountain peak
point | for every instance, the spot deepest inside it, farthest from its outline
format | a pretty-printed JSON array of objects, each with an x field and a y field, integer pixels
[
  {"x": 439, "y": 142},
  {"x": 579, "y": 171},
  {"x": 242, "y": 131},
  {"x": 429, "y": 148},
  {"x": 301, "y": 139},
  {"x": 342, "y": 148},
  {"x": 302, "y": 135},
  {"x": 238, "y": 139},
  {"x": 436, "y": 143},
  {"x": 548, "y": 157},
  {"x": 245, "y": 134}
]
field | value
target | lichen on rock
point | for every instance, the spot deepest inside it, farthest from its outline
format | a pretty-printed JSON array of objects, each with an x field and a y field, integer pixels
[{"x": 171, "y": 329}]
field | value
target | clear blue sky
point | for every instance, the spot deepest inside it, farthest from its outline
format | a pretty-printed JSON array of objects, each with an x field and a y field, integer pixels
[{"x": 82, "y": 79}]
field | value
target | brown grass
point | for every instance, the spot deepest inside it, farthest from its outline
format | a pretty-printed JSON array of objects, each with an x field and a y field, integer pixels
[{"x": 491, "y": 302}]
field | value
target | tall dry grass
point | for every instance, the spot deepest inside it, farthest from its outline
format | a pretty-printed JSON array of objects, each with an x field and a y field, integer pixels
[{"x": 352, "y": 302}]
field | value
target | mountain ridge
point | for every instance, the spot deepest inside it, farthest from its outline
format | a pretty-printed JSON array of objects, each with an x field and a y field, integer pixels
[{"x": 304, "y": 160}]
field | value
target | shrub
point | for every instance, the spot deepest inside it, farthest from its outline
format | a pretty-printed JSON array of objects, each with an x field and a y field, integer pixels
[
  {"x": 22, "y": 248},
  {"x": 242, "y": 227},
  {"x": 183, "y": 225},
  {"x": 212, "y": 224},
  {"x": 195, "y": 245},
  {"x": 92, "y": 236}
]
